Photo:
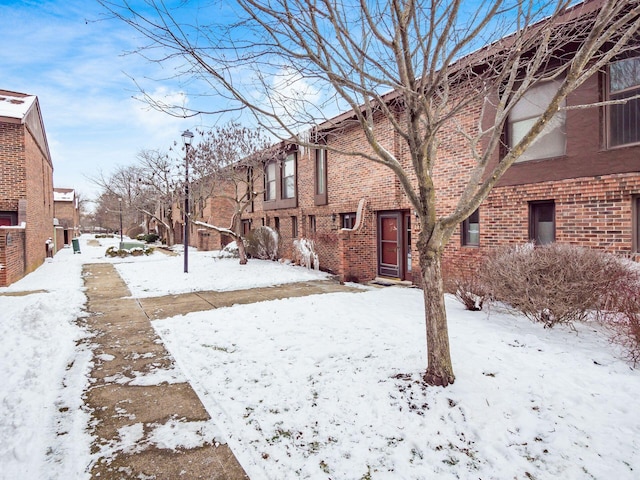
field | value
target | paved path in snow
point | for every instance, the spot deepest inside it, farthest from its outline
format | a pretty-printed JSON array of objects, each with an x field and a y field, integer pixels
[
  {"x": 127, "y": 350},
  {"x": 171, "y": 305},
  {"x": 124, "y": 414}
]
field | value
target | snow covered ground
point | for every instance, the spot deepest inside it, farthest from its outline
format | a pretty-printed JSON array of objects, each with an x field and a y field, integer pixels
[{"x": 326, "y": 386}]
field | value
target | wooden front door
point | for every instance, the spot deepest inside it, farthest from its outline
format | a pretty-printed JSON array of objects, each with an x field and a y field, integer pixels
[
  {"x": 390, "y": 244},
  {"x": 394, "y": 244}
]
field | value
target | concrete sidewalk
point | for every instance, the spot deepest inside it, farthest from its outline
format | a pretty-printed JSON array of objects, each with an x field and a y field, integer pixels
[{"x": 126, "y": 346}]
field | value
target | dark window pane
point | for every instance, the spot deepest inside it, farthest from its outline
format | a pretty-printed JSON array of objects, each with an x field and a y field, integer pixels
[
  {"x": 471, "y": 229},
  {"x": 542, "y": 223},
  {"x": 624, "y": 119},
  {"x": 348, "y": 220}
]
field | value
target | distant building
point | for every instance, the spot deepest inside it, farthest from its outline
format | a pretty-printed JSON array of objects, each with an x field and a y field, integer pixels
[
  {"x": 67, "y": 213},
  {"x": 26, "y": 187}
]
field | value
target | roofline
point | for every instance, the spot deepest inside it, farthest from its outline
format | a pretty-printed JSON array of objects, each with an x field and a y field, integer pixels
[{"x": 570, "y": 13}]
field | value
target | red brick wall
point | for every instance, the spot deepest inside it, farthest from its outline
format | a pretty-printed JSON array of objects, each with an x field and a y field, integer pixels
[
  {"x": 39, "y": 195},
  {"x": 218, "y": 211},
  {"x": 12, "y": 260},
  {"x": 590, "y": 212},
  {"x": 12, "y": 167},
  {"x": 59, "y": 240},
  {"x": 67, "y": 215},
  {"x": 26, "y": 177},
  {"x": 592, "y": 189}
]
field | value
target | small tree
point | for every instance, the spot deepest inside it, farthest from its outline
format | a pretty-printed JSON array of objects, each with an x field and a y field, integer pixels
[
  {"x": 229, "y": 158},
  {"x": 150, "y": 187}
]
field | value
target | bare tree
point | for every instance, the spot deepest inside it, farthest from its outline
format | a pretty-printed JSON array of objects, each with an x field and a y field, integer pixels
[
  {"x": 151, "y": 187},
  {"x": 412, "y": 63},
  {"x": 227, "y": 160}
]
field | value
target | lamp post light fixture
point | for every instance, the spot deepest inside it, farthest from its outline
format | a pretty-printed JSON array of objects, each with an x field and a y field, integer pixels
[
  {"x": 120, "y": 210},
  {"x": 187, "y": 137}
]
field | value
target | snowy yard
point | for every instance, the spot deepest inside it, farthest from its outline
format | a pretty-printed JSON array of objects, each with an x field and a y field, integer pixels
[{"x": 326, "y": 386}]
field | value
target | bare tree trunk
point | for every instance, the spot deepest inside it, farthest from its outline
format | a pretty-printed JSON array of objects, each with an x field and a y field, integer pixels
[
  {"x": 171, "y": 236},
  {"x": 439, "y": 368},
  {"x": 236, "y": 227}
]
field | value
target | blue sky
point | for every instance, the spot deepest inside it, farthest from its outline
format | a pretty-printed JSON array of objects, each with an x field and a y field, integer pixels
[{"x": 66, "y": 53}]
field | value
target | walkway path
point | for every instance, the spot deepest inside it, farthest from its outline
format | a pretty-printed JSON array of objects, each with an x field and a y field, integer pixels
[{"x": 127, "y": 348}]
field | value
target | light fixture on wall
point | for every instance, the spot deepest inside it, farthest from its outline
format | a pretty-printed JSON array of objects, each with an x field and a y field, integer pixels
[{"x": 333, "y": 218}]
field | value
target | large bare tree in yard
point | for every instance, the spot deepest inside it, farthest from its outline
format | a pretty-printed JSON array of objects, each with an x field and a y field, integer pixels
[{"x": 421, "y": 66}]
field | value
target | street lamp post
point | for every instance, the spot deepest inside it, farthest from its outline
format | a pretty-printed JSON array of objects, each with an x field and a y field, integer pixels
[
  {"x": 187, "y": 137},
  {"x": 120, "y": 210}
]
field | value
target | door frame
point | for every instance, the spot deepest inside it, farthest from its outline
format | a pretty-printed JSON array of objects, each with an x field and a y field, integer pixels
[{"x": 403, "y": 222}]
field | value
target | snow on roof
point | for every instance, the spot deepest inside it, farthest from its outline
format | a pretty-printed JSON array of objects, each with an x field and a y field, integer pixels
[
  {"x": 15, "y": 105},
  {"x": 63, "y": 195}
]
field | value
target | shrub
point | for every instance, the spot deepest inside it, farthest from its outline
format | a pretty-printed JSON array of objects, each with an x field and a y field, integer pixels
[
  {"x": 133, "y": 232},
  {"x": 263, "y": 243},
  {"x": 304, "y": 251},
  {"x": 554, "y": 284},
  {"x": 230, "y": 250},
  {"x": 621, "y": 314},
  {"x": 148, "y": 237},
  {"x": 136, "y": 252},
  {"x": 468, "y": 290}
]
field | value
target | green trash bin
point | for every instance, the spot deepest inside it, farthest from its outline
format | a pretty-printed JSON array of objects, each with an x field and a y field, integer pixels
[{"x": 76, "y": 245}]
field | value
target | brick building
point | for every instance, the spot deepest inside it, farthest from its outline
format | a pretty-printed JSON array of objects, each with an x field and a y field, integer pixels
[
  {"x": 26, "y": 187},
  {"x": 66, "y": 211},
  {"x": 578, "y": 184}
]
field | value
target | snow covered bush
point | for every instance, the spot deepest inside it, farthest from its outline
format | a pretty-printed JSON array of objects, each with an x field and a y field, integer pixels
[
  {"x": 136, "y": 252},
  {"x": 230, "y": 250},
  {"x": 263, "y": 243},
  {"x": 304, "y": 251},
  {"x": 468, "y": 290},
  {"x": 552, "y": 284}
]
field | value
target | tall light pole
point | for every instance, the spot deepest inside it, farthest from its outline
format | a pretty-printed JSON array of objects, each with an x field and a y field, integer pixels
[
  {"x": 187, "y": 137},
  {"x": 120, "y": 209}
]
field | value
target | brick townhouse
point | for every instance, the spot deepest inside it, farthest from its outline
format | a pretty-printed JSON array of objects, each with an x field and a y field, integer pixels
[
  {"x": 66, "y": 211},
  {"x": 578, "y": 184},
  {"x": 26, "y": 186}
]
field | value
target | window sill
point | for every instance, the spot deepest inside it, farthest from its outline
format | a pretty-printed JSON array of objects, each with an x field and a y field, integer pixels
[{"x": 280, "y": 203}]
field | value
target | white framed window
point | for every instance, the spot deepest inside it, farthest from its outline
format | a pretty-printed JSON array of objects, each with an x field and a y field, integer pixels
[{"x": 551, "y": 142}]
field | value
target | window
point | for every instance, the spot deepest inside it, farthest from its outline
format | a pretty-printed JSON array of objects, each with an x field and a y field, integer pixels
[
  {"x": 551, "y": 142},
  {"x": 471, "y": 229},
  {"x": 542, "y": 222},
  {"x": 321, "y": 177},
  {"x": 246, "y": 227},
  {"x": 347, "y": 220},
  {"x": 280, "y": 183},
  {"x": 250, "y": 190},
  {"x": 624, "y": 118},
  {"x": 270, "y": 181},
  {"x": 276, "y": 223},
  {"x": 294, "y": 227},
  {"x": 312, "y": 224},
  {"x": 289, "y": 176},
  {"x": 8, "y": 219}
]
